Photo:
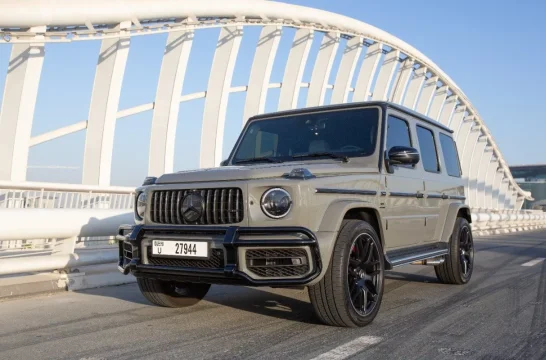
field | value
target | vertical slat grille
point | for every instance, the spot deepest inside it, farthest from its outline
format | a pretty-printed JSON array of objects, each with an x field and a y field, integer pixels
[{"x": 221, "y": 206}]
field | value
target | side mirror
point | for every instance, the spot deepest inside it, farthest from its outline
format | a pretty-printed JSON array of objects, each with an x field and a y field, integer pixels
[
  {"x": 224, "y": 162},
  {"x": 402, "y": 155}
]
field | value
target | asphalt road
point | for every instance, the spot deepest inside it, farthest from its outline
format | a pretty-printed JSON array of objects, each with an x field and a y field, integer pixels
[{"x": 500, "y": 314}]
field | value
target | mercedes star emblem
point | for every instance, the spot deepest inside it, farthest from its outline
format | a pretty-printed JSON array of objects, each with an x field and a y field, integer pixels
[{"x": 192, "y": 207}]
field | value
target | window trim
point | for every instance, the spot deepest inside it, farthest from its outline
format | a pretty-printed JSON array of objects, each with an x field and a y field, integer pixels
[
  {"x": 412, "y": 167},
  {"x": 456, "y": 154},
  {"x": 438, "y": 165}
]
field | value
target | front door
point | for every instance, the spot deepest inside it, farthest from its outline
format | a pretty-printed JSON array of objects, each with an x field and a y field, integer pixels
[{"x": 402, "y": 192}]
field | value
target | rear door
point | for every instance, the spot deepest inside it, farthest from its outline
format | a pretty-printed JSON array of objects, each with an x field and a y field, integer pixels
[{"x": 402, "y": 190}]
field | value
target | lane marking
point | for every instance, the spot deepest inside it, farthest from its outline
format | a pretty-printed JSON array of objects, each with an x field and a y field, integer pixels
[
  {"x": 533, "y": 262},
  {"x": 349, "y": 349}
]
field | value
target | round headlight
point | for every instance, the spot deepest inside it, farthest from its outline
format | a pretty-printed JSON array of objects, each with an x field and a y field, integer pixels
[
  {"x": 141, "y": 205},
  {"x": 276, "y": 203}
]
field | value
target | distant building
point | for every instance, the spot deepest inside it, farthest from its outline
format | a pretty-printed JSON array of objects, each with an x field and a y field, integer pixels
[{"x": 532, "y": 178}]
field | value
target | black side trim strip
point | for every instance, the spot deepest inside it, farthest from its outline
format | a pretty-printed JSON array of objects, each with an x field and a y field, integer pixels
[
  {"x": 457, "y": 197},
  {"x": 403, "y": 194},
  {"x": 345, "y": 191},
  {"x": 435, "y": 196}
]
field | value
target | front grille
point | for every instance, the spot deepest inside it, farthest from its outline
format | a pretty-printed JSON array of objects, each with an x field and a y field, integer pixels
[
  {"x": 277, "y": 263},
  {"x": 215, "y": 261},
  {"x": 221, "y": 206}
]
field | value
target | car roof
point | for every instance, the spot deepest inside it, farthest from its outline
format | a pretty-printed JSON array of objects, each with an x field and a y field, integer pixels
[{"x": 382, "y": 104}]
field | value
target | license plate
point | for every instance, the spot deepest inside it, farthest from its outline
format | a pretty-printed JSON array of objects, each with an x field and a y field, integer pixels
[{"x": 189, "y": 249}]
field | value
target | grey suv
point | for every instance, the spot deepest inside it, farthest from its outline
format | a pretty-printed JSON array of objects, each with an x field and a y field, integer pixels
[{"x": 328, "y": 197}]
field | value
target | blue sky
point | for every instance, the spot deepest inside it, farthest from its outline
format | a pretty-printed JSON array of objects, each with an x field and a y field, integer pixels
[{"x": 494, "y": 51}]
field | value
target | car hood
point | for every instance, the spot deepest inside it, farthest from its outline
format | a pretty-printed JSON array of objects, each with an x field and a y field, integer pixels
[{"x": 265, "y": 171}]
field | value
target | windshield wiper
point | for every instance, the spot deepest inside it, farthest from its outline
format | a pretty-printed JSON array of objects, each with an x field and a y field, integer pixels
[
  {"x": 258, "y": 159},
  {"x": 323, "y": 154}
]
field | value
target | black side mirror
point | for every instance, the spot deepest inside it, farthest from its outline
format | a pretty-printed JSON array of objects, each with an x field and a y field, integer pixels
[
  {"x": 402, "y": 155},
  {"x": 224, "y": 162}
]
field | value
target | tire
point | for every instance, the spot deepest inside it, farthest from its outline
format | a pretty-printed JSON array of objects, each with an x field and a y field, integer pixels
[
  {"x": 172, "y": 294},
  {"x": 461, "y": 250},
  {"x": 345, "y": 283}
]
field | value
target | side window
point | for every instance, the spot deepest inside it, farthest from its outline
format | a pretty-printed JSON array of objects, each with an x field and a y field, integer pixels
[
  {"x": 428, "y": 152},
  {"x": 398, "y": 133},
  {"x": 451, "y": 158}
]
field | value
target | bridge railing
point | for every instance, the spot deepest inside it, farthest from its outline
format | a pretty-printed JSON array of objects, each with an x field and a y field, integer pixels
[{"x": 40, "y": 235}]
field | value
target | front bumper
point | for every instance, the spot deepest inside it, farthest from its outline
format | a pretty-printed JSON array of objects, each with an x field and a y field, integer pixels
[{"x": 134, "y": 240}]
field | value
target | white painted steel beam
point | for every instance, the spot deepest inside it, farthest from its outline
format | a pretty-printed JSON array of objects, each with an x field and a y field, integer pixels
[
  {"x": 293, "y": 72},
  {"x": 448, "y": 109},
  {"x": 519, "y": 202},
  {"x": 414, "y": 87},
  {"x": 499, "y": 177},
  {"x": 367, "y": 72},
  {"x": 346, "y": 70},
  {"x": 475, "y": 162},
  {"x": 467, "y": 150},
  {"x": 425, "y": 99},
  {"x": 438, "y": 103},
  {"x": 214, "y": 114},
  {"x": 167, "y": 102},
  {"x": 386, "y": 73},
  {"x": 99, "y": 141},
  {"x": 321, "y": 70},
  {"x": 460, "y": 135},
  {"x": 490, "y": 181},
  {"x": 401, "y": 81},
  {"x": 260, "y": 73},
  {"x": 457, "y": 119},
  {"x": 19, "y": 100},
  {"x": 482, "y": 174}
]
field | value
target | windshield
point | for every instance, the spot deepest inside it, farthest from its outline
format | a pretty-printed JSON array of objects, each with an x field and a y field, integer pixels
[{"x": 339, "y": 134}]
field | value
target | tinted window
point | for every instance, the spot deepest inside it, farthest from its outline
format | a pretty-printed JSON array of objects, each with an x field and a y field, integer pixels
[
  {"x": 427, "y": 145},
  {"x": 351, "y": 133},
  {"x": 451, "y": 158},
  {"x": 398, "y": 133}
]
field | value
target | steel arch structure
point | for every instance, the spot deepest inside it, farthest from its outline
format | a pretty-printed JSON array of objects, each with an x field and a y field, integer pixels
[{"x": 390, "y": 70}]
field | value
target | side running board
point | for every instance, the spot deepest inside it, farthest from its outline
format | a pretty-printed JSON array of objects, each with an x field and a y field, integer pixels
[{"x": 406, "y": 256}]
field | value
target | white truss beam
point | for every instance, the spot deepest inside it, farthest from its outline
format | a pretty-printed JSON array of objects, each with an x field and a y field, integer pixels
[
  {"x": 19, "y": 100},
  {"x": 414, "y": 87},
  {"x": 293, "y": 72},
  {"x": 99, "y": 140},
  {"x": 367, "y": 71},
  {"x": 482, "y": 174},
  {"x": 346, "y": 70},
  {"x": 386, "y": 73},
  {"x": 438, "y": 103},
  {"x": 321, "y": 70},
  {"x": 475, "y": 162},
  {"x": 214, "y": 114},
  {"x": 260, "y": 73},
  {"x": 448, "y": 109},
  {"x": 427, "y": 93},
  {"x": 402, "y": 79},
  {"x": 167, "y": 102}
]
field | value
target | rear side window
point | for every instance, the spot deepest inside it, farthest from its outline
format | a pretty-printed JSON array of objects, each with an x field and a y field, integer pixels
[
  {"x": 451, "y": 158},
  {"x": 429, "y": 157},
  {"x": 398, "y": 133}
]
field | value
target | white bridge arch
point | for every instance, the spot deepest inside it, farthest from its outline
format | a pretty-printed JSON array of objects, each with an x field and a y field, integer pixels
[{"x": 391, "y": 70}]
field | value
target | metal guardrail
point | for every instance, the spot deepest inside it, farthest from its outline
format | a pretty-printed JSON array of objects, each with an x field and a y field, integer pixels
[{"x": 58, "y": 237}]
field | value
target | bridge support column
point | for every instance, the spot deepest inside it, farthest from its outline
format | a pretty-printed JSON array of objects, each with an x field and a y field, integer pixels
[
  {"x": 448, "y": 110},
  {"x": 19, "y": 101},
  {"x": 99, "y": 140},
  {"x": 322, "y": 69},
  {"x": 386, "y": 73},
  {"x": 438, "y": 103},
  {"x": 401, "y": 81},
  {"x": 293, "y": 72},
  {"x": 414, "y": 87},
  {"x": 477, "y": 155},
  {"x": 214, "y": 114},
  {"x": 260, "y": 73},
  {"x": 499, "y": 177},
  {"x": 482, "y": 173},
  {"x": 367, "y": 71},
  {"x": 425, "y": 99},
  {"x": 467, "y": 151},
  {"x": 346, "y": 70},
  {"x": 167, "y": 102},
  {"x": 490, "y": 181}
]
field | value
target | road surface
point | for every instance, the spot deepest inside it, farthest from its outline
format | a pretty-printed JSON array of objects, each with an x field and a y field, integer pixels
[{"x": 500, "y": 314}]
